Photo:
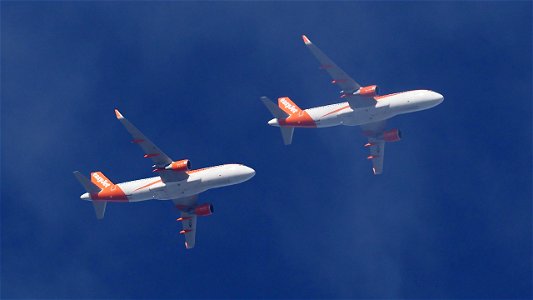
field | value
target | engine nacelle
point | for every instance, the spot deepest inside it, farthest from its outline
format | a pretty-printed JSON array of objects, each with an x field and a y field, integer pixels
[
  {"x": 368, "y": 91},
  {"x": 204, "y": 209},
  {"x": 180, "y": 165},
  {"x": 392, "y": 135}
]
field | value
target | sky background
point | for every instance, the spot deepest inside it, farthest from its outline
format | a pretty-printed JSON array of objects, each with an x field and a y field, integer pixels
[{"x": 449, "y": 218}]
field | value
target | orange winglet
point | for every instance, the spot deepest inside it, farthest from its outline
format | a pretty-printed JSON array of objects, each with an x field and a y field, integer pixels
[
  {"x": 372, "y": 156},
  {"x": 306, "y": 40},
  {"x": 369, "y": 145},
  {"x": 183, "y": 219},
  {"x": 150, "y": 155},
  {"x": 184, "y": 231},
  {"x": 118, "y": 114}
]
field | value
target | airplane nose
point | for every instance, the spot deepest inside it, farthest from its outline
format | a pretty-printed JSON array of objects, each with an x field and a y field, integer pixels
[
  {"x": 249, "y": 172},
  {"x": 244, "y": 173},
  {"x": 273, "y": 122},
  {"x": 437, "y": 98}
]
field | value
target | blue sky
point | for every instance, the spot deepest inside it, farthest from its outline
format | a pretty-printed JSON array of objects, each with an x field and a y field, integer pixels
[{"x": 449, "y": 218}]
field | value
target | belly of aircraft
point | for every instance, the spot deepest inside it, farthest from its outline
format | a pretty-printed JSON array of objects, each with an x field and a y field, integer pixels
[
  {"x": 364, "y": 116},
  {"x": 166, "y": 191}
]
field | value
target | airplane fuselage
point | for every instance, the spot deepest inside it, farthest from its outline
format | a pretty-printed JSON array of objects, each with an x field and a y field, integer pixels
[
  {"x": 199, "y": 180},
  {"x": 386, "y": 107}
]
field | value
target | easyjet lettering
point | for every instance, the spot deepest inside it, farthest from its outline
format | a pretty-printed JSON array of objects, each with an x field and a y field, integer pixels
[
  {"x": 102, "y": 181},
  {"x": 288, "y": 105}
]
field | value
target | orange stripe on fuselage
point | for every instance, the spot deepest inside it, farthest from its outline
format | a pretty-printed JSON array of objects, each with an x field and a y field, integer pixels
[
  {"x": 377, "y": 98},
  {"x": 159, "y": 180},
  {"x": 337, "y": 110},
  {"x": 198, "y": 170},
  {"x": 145, "y": 186}
]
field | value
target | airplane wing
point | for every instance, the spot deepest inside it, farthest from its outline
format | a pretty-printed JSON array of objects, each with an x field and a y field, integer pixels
[
  {"x": 377, "y": 145},
  {"x": 188, "y": 221},
  {"x": 344, "y": 81},
  {"x": 151, "y": 151},
  {"x": 377, "y": 151}
]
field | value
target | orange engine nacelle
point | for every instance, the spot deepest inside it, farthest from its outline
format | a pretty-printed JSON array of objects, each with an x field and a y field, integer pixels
[
  {"x": 204, "y": 209},
  {"x": 368, "y": 91},
  {"x": 180, "y": 165},
  {"x": 392, "y": 135}
]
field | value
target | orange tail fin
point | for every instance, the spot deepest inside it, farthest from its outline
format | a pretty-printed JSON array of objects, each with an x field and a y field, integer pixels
[
  {"x": 286, "y": 104},
  {"x": 100, "y": 180},
  {"x": 110, "y": 191}
]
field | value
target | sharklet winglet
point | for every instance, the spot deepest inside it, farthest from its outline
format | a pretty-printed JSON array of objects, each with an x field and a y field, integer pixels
[
  {"x": 306, "y": 40},
  {"x": 118, "y": 114}
]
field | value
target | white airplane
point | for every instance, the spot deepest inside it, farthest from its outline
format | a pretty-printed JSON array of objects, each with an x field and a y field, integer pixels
[
  {"x": 363, "y": 107},
  {"x": 176, "y": 182}
]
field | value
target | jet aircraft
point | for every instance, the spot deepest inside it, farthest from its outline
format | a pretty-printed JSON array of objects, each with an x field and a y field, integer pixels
[
  {"x": 363, "y": 107},
  {"x": 176, "y": 181}
]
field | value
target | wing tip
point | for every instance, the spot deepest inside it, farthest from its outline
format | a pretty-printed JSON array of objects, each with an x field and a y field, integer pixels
[
  {"x": 306, "y": 40},
  {"x": 118, "y": 114},
  {"x": 187, "y": 246}
]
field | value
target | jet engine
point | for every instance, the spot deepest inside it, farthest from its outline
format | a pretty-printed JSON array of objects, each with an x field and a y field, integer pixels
[
  {"x": 204, "y": 209},
  {"x": 368, "y": 91},
  {"x": 180, "y": 165},
  {"x": 392, "y": 135}
]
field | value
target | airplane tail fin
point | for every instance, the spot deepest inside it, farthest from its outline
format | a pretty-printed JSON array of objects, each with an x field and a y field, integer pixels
[
  {"x": 279, "y": 113},
  {"x": 286, "y": 104},
  {"x": 93, "y": 187},
  {"x": 99, "y": 179}
]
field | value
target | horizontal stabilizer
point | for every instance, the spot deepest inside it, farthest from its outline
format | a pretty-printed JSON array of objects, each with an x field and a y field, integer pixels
[
  {"x": 99, "y": 208},
  {"x": 274, "y": 109},
  {"x": 286, "y": 133},
  {"x": 90, "y": 187}
]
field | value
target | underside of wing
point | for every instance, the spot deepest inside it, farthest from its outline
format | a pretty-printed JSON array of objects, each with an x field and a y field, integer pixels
[
  {"x": 376, "y": 144},
  {"x": 188, "y": 220},
  {"x": 151, "y": 151},
  {"x": 349, "y": 87},
  {"x": 340, "y": 78},
  {"x": 377, "y": 152}
]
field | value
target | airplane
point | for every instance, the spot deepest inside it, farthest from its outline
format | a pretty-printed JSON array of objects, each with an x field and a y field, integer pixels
[
  {"x": 176, "y": 181},
  {"x": 363, "y": 107}
]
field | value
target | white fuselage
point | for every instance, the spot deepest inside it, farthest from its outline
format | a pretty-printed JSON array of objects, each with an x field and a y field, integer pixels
[
  {"x": 386, "y": 107},
  {"x": 198, "y": 181}
]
